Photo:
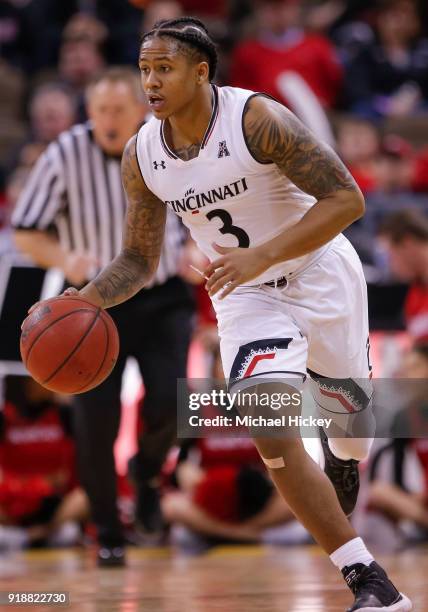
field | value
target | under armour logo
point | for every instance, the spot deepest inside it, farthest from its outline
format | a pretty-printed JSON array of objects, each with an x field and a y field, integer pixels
[
  {"x": 160, "y": 164},
  {"x": 223, "y": 151}
]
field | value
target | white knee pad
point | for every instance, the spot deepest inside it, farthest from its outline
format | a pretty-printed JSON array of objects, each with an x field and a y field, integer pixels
[
  {"x": 350, "y": 448},
  {"x": 348, "y": 403}
]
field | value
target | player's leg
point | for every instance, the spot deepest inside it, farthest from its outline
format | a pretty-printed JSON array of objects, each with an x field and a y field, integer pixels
[
  {"x": 311, "y": 496},
  {"x": 249, "y": 362},
  {"x": 348, "y": 439},
  {"x": 329, "y": 302},
  {"x": 162, "y": 358},
  {"x": 304, "y": 487},
  {"x": 96, "y": 424},
  {"x": 245, "y": 318}
]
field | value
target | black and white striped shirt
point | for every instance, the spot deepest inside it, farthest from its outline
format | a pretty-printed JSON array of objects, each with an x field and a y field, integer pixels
[{"x": 77, "y": 188}]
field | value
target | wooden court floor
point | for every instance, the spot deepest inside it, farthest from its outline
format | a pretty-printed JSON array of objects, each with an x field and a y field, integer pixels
[{"x": 226, "y": 579}]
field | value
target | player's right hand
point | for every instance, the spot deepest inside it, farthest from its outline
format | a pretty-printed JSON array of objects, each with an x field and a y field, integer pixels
[{"x": 78, "y": 268}]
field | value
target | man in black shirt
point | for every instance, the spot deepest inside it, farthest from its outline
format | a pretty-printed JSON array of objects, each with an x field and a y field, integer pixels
[{"x": 76, "y": 189}]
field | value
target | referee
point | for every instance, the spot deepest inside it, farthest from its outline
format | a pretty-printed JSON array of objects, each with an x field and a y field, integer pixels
[{"x": 70, "y": 215}]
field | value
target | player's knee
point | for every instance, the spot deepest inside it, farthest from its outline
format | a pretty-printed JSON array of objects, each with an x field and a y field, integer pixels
[
  {"x": 347, "y": 402},
  {"x": 341, "y": 395},
  {"x": 276, "y": 452}
]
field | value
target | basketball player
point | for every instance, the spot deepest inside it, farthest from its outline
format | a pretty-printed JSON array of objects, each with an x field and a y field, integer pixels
[{"x": 266, "y": 202}]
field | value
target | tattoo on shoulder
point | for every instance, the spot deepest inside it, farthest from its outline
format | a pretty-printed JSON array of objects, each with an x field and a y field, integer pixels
[
  {"x": 275, "y": 135},
  {"x": 142, "y": 236}
]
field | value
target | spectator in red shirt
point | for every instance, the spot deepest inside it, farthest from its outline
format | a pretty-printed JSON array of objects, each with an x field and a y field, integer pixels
[
  {"x": 226, "y": 493},
  {"x": 404, "y": 236},
  {"x": 39, "y": 493},
  {"x": 223, "y": 489},
  {"x": 389, "y": 164},
  {"x": 282, "y": 47}
]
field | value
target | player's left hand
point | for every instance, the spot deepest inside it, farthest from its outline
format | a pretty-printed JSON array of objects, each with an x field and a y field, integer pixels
[{"x": 236, "y": 267}]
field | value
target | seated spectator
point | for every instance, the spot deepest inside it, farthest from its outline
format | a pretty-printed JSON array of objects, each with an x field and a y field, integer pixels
[
  {"x": 79, "y": 61},
  {"x": 387, "y": 164},
  {"x": 40, "y": 501},
  {"x": 158, "y": 10},
  {"x": 394, "y": 166},
  {"x": 420, "y": 172},
  {"x": 205, "y": 10},
  {"x": 227, "y": 495},
  {"x": 52, "y": 110},
  {"x": 404, "y": 238},
  {"x": 84, "y": 26},
  {"x": 281, "y": 46},
  {"x": 224, "y": 492},
  {"x": 389, "y": 76},
  {"x": 358, "y": 144},
  {"x": 395, "y": 500}
]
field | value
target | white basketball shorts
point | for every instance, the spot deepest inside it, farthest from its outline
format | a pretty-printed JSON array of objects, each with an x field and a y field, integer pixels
[{"x": 317, "y": 321}]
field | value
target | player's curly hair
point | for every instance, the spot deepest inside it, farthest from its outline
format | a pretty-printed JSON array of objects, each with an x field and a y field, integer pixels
[{"x": 192, "y": 36}]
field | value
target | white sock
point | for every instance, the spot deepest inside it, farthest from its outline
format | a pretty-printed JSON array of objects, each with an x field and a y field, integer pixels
[{"x": 352, "y": 552}]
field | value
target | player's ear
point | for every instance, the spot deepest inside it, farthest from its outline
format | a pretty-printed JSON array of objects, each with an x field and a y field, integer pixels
[{"x": 202, "y": 72}]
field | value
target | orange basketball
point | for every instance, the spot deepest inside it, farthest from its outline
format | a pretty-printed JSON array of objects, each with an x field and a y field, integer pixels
[{"x": 69, "y": 345}]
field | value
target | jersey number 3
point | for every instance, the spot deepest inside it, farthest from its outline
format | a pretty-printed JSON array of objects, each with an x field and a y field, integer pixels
[{"x": 229, "y": 228}]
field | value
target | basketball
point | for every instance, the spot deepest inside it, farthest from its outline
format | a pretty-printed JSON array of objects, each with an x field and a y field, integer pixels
[{"x": 68, "y": 345}]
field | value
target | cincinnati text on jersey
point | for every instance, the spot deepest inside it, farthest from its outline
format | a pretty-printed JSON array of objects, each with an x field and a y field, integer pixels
[{"x": 192, "y": 201}]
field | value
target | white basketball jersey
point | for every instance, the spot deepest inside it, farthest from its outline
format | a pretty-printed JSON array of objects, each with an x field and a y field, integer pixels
[{"x": 224, "y": 195}]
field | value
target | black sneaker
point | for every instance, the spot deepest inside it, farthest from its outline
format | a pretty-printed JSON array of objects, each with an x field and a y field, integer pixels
[
  {"x": 373, "y": 589},
  {"x": 344, "y": 476},
  {"x": 149, "y": 519},
  {"x": 111, "y": 556}
]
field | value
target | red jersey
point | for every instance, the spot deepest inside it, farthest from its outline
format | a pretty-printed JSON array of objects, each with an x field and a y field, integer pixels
[
  {"x": 421, "y": 447},
  {"x": 223, "y": 458},
  {"x": 215, "y": 8},
  {"x": 206, "y": 314},
  {"x": 256, "y": 66},
  {"x": 420, "y": 172},
  {"x": 224, "y": 450},
  {"x": 36, "y": 447},
  {"x": 416, "y": 312}
]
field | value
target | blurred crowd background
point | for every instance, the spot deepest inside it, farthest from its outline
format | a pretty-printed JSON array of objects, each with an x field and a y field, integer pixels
[{"x": 356, "y": 72}]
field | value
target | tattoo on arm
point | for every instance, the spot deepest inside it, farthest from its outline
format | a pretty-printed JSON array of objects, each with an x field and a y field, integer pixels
[
  {"x": 275, "y": 135},
  {"x": 142, "y": 239}
]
